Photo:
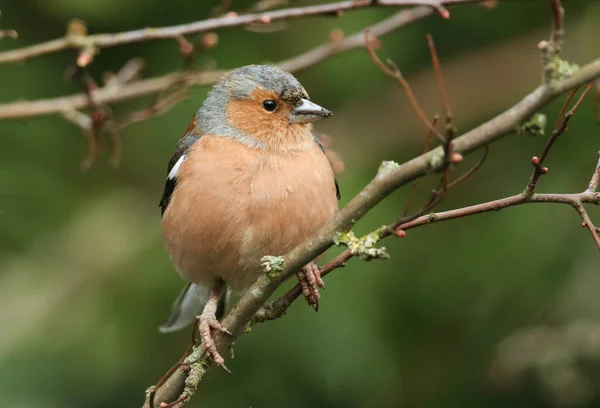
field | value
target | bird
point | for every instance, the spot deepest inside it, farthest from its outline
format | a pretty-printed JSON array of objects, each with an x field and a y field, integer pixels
[{"x": 247, "y": 179}]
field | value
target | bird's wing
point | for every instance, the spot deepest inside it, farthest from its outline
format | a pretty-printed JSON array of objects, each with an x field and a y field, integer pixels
[
  {"x": 337, "y": 186},
  {"x": 178, "y": 157}
]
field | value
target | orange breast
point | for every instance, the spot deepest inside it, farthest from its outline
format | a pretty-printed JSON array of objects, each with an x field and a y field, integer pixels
[{"x": 234, "y": 204}]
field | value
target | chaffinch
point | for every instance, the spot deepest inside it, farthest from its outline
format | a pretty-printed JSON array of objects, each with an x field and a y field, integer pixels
[{"x": 247, "y": 179}]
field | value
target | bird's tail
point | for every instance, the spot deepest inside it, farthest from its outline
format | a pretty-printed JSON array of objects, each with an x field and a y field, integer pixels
[{"x": 189, "y": 304}]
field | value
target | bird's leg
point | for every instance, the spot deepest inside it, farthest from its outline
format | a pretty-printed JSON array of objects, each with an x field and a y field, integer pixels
[
  {"x": 310, "y": 280},
  {"x": 208, "y": 320}
]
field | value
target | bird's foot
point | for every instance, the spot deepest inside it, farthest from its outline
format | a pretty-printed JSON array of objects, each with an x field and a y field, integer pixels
[
  {"x": 310, "y": 281},
  {"x": 207, "y": 323}
]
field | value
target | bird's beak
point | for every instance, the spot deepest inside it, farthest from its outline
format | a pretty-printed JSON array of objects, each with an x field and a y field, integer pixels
[{"x": 307, "y": 112}]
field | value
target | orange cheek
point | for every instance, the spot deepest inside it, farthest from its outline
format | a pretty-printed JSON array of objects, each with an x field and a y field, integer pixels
[{"x": 249, "y": 117}]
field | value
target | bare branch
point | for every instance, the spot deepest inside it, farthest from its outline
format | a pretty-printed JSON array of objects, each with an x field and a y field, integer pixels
[
  {"x": 150, "y": 86},
  {"x": 228, "y": 20}
]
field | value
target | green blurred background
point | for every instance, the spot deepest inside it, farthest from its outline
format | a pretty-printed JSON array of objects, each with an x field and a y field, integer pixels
[{"x": 495, "y": 310}]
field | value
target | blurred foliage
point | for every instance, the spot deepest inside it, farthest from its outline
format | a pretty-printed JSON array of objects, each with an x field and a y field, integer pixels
[{"x": 85, "y": 280}]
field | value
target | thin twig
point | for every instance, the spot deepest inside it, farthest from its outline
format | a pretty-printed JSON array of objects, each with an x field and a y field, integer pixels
[
  {"x": 157, "y": 108},
  {"x": 393, "y": 72},
  {"x": 571, "y": 112},
  {"x": 496, "y": 205},
  {"x": 563, "y": 109},
  {"x": 437, "y": 69},
  {"x": 413, "y": 190},
  {"x": 576, "y": 201},
  {"x": 587, "y": 222},
  {"x": 472, "y": 170},
  {"x": 538, "y": 162}
]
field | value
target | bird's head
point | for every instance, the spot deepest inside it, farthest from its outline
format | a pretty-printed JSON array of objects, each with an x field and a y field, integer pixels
[{"x": 259, "y": 105}]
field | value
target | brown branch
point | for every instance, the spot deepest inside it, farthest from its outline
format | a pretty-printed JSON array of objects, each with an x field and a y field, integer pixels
[
  {"x": 229, "y": 20},
  {"x": 574, "y": 200},
  {"x": 151, "y": 86},
  {"x": 388, "y": 179}
]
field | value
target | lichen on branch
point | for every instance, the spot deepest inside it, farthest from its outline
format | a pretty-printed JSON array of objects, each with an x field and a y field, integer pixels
[
  {"x": 272, "y": 266},
  {"x": 536, "y": 125},
  {"x": 363, "y": 247}
]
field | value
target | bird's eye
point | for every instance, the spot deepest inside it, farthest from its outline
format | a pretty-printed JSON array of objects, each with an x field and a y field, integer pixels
[{"x": 269, "y": 105}]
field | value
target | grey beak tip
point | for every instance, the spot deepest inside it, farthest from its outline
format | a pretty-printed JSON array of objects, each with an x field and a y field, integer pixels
[{"x": 307, "y": 111}]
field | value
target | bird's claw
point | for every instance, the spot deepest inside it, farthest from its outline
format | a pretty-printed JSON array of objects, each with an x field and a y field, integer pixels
[
  {"x": 310, "y": 281},
  {"x": 208, "y": 322}
]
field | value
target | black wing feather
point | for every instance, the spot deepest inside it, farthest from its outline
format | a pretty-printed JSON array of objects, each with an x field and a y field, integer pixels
[{"x": 181, "y": 149}]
